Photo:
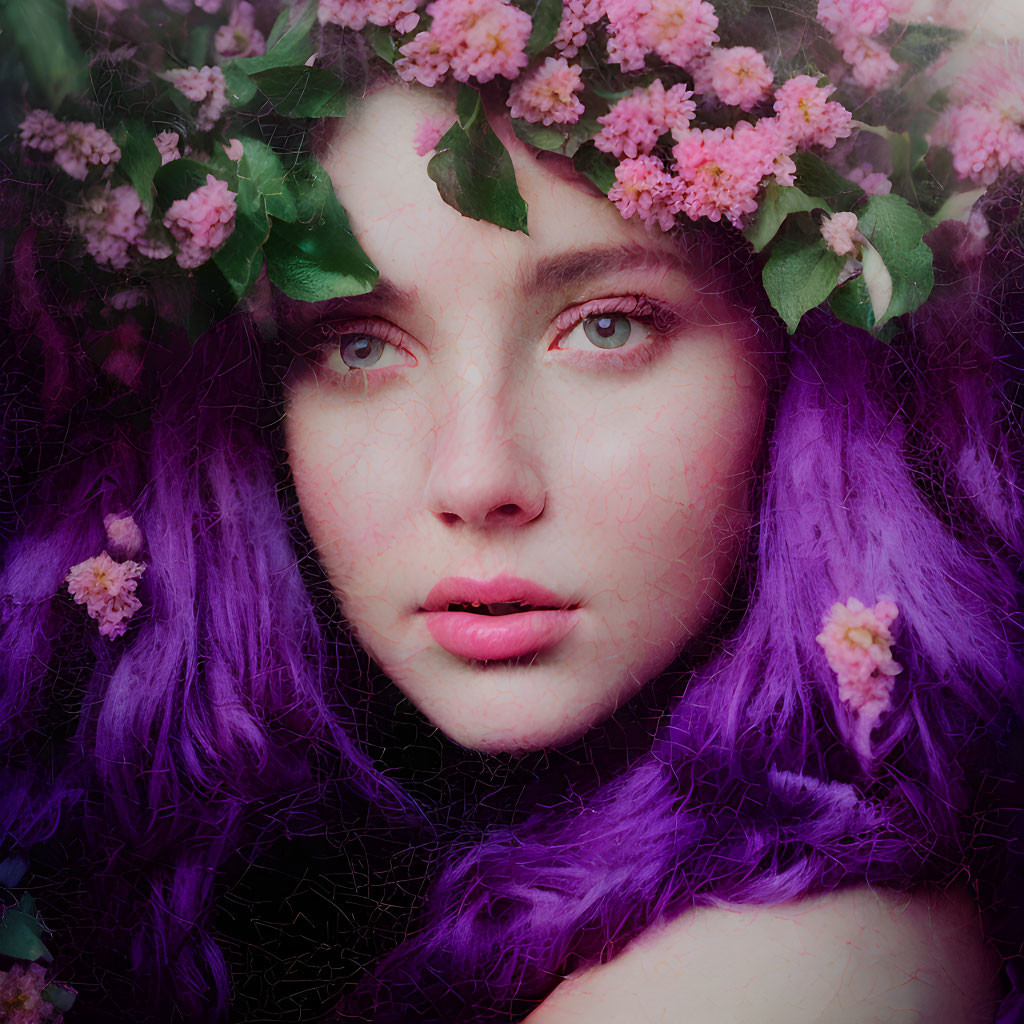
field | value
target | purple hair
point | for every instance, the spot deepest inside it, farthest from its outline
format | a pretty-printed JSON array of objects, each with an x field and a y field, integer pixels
[{"x": 225, "y": 719}]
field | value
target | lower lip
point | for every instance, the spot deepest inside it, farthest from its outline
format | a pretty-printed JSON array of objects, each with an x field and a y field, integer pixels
[{"x": 495, "y": 637}]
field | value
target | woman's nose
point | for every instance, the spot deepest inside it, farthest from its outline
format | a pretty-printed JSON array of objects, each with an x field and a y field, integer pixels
[{"x": 483, "y": 472}]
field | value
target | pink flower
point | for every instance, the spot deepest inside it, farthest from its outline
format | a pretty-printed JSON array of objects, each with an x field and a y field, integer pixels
[
  {"x": 643, "y": 187},
  {"x": 354, "y": 14},
  {"x": 106, "y": 9},
  {"x": 234, "y": 150},
  {"x": 858, "y": 647},
  {"x": 738, "y": 76},
  {"x": 983, "y": 142},
  {"x": 202, "y": 222},
  {"x": 874, "y": 183},
  {"x": 84, "y": 146},
  {"x": 205, "y": 86},
  {"x": 111, "y": 222},
  {"x": 124, "y": 538},
  {"x": 577, "y": 16},
  {"x": 678, "y": 31},
  {"x": 841, "y": 234},
  {"x": 209, "y": 6},
  {"x": 485, "y": 38},
  {"x": 548, "y": 93},
  {"x": 995, "y": 80},
  {"x": 240, "y": 37},
  {"x": 872, "y": 65},
  {"x": 807, "y": 114},
  {"x": 634, "y": 123},
  {"x": 428, "y": 134},
  {"x": 41, "y": 130},
  {"x": 423, "y": 60},
  {"x": 21, "y": 996},
  {"x": 865, "y": 17},
  {"x": 167, "y": 144},
  {"x": 107, "y": 589}
]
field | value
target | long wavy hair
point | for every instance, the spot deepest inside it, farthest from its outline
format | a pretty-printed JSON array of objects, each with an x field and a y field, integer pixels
[{"x": 238, "y": 710}]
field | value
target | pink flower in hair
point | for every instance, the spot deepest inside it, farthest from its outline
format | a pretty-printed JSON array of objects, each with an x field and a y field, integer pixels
[
  {"x": 41, "y": 130},
  {"x": 240, "y": 37},
  {"x": 209, "y": 6},
  {"x": 423, "y": 60},
  {"x": 679, "y": 31},
  {"x": 84, "y": 146},
  {"x": 577, "y": 16},
  {"x": 354, "y": 14},
  {"x": 485, "y": 38},
  {"x": 983, "y": 142},
  {"x": 874, "y": 183},
  {"x": 167, "y": 144},
  {"x": 107, "y": 589},
  {"x": 841, "y": 234},
  {"x": 124, "y": 538},
  {"x": 234, "y": 150},
  {"x": 865, "y": 17},
  {"x": 21, "y": 995},
  {"x": 858, "y": 645},
  {"x": 634, "y": 123},
  {"x": 643, "y": 187},
  {"x": 205, "y": 86},
  {"x": 202, "y": 222},
  {"x": 807, "y": 114},
  {"x": 871, "y": 63},
  {"x": 111, "y": 222},
  {"x": 737, "y": 75},
  {"x": 548, "y": 93},
  {"x": 428, "y": 134}
]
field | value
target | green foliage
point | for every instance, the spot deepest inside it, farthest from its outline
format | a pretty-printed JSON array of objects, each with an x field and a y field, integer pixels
[
  {"x": 317, "y": 257},
  {"x": 473, "y": 171},
  {"x": 178, "y": 179},
  {"x": 852, "y": 303},
  {"x": 302, "y": 92},
  {"x": 920, "y": 45},
  {"x": 799, "y": 275},
  {"x": 383, "y": 43},
  {"x": 546, "y": 16},
  {"x": 564, "y": 139},
  {"x": 140, "y": 159},
  {"x": 20, "y": 931},
  {"x": 62, "y": 997},
  {"x": 778, "y": 203},
  {"x": 814, "y": 177},
  {"x": 53, "y": 61},
  {"x": 594, "y": 165}
]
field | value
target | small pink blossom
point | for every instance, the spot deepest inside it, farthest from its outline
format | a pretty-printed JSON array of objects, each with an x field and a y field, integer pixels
[
  {"x": 871, "y": 63},
  {"x": 209, "y": 6},
  {"x": 984, "y": 144},
  {"x": 124, "y": 538},
  {"x": 858, "y": 646},
  {"x": 841, "y": 234},
  {"x": 681, "y": 32},
  {"x": 354, "y": 14},
  {"x": 21, "y": 996},
  {"x": 485, "y": 38},
  {"x": 202, "y": 222},
  {"x": 205, "y": 86},
  {"x": 577, "y": 17},
  {"x": 167, "y": 144},
  {"x": 107, "y": 589},
  {"x": 874, "y": 183},
  {"x": 111, "y": 222},
  {"x": 865, "y": 17},
  {"x": 428, "y": 134},
  {"x": 548, "y": 93},
  {"x": 423, "y": 60},
  {"x": 643, "y": 187},
  {"x": 807, "y": 114},
  {"x": 994, "y": 79},
  {"x": 234, "y": 150},
  {"x": 633, "y": 125},
  {"x": 85, "y": 145},
  {"x": 738, "y": 76},
  {"x": 240, "y": 37},
  {"x": 41, "y": 130}
]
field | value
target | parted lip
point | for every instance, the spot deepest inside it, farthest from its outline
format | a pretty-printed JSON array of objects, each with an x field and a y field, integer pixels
[{"x": 464, "y": 590}]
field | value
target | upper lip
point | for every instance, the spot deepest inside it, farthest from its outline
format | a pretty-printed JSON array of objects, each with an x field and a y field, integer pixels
[{"x": 499, "y": 589}]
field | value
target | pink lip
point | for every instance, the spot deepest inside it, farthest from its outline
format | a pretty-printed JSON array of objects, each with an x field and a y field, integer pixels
[{"x": 490, "y": 638}]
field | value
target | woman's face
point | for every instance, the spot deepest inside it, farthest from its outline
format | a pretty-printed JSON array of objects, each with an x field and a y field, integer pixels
[{"x": 556, "y": 420}]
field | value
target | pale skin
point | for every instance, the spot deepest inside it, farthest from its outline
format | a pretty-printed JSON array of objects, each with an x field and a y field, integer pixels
[{"x": 480, "y": 431}]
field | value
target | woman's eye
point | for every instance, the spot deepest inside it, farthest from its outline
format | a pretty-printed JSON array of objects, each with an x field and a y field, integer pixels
[
  {"x": 361, "y": 351},
  {"x": 607, "y": 330}
]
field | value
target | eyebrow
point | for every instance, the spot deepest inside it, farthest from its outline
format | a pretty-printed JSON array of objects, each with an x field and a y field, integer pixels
[{"x": 557, "y": 272}]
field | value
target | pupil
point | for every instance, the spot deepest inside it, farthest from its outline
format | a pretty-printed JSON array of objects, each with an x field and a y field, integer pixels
[
  {"x": 607, "y": 330},
  {"x": 361, "y": 347}
]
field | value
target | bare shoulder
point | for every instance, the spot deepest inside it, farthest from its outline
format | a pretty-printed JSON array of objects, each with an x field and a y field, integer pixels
[{"x": 854, "y": 957}]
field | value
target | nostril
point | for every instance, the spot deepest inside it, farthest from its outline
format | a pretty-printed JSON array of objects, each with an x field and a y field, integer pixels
[{"x": 507, "y": 510}]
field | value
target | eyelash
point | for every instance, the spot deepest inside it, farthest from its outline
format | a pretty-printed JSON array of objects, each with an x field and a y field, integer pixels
[{"x": 660, "y": 319}]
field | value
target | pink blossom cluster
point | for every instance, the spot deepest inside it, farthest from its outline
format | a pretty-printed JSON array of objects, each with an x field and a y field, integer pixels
[
  {"x": 205, "y": 86},
  {"x": 116, "y": 228},
  {"x": 841, "y": 234},
  {"x": 643, "y": 187},
  {"x": 478, "y": 39},
  {"x": 76, "y": 145},
  {"x": 577, "y": 17},
  {"x": 633, "y": 125},
  {"x": 808, "y": 116},
  {"x": 984, "y": 125},
  {"x": 240, "y": 37},
  {"x": 167, "y": 145},
  {"x": 202, "y": 222},
  {"x": 21, "y": 996},
  {"x": 429, "y": 132},
  {"x": 107, "y": 589},
  {"x": 854, "y": 25},
  {"x": 858, "y": 646},
  {"x": 209, "y": 6},
  {"x": 874, "y": 183},
  {"x": 548, "y": 93},
  {"x": 354, "y": 14},
  {"x": 124, "y": 538},
  {"x": 681, "y": 32},
  {"x": 737, "y": 75}
]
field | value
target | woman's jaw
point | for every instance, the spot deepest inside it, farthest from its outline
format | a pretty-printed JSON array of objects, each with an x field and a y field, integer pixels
[{"x": 557, "y": 420}]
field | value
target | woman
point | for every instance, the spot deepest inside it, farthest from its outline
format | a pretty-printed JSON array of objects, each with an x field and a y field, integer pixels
[{"x": 609, "y": 426}]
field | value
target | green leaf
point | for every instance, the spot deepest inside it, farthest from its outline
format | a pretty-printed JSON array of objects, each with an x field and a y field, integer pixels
[
  {"x": 302, "y": 92},
  {"x": 546, "y": 16},
  {"x": 468, "y": 106},
  {"x": 474, "y": 173},
  {"x": 20, "y": 931},
  {"x": 852, "y": 303},
  {"x": 197, "y": 45},
  {"x": 593, "y": 164},
  {"x": 317, "y": 257},
  {"x": 382, "y": 42},
  {"x": 240, "y": 88},
  {"x": 240, "y": 258},
  {"x": 60, "y": 996},
  {"x": 262, "y": 167},
  {"x": 896, "y": 229},
  {"x": 800, "y": 275},
  {"x": 817, "y": 178},
  {"x": 140, "y": 159},
  {"x": 53, "y": 60},
  {"x": 921, "y": 45},
  {"x": 957, "y": 207},
  {"x": 291, "y": 37},
  {"x": 778, "y": 203},
  {"x": 539, "y": 135},
  {"x": 177, "y": 180}
]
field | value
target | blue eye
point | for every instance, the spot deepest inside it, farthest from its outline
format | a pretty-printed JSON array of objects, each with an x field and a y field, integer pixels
[
  {"x": 361, "y": 351},
  {"x": 607, "y": 330}
]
